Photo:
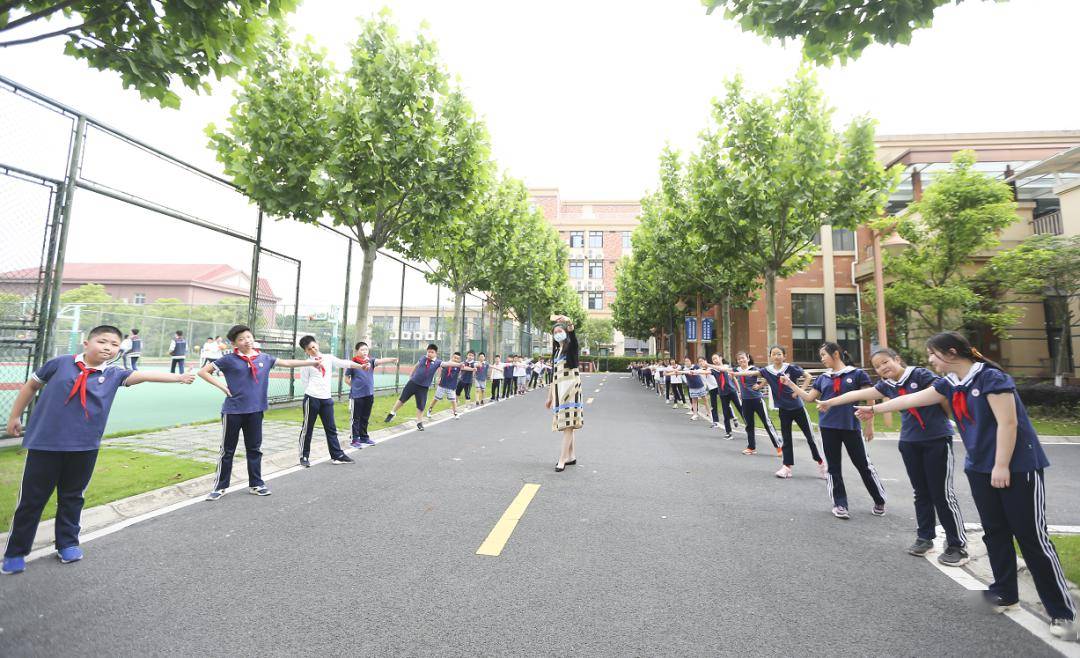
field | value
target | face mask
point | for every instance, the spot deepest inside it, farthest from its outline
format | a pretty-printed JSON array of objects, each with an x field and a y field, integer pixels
[{"x": 560, "y": 336}]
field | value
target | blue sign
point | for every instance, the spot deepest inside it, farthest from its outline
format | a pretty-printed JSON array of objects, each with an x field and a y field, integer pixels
[
  {"x": 691, "y": 328},
  {"x": 707, "y": 329}
]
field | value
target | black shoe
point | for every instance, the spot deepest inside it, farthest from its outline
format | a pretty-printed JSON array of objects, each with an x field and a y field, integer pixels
[
  {"x": 343, "y": 459},
  {"x": 571, "y": 462},
  {"x": 419, "y": 427},
  {"x": 920, "y": 548},
  {"x": 560, "y": 469},
  {"x": 1000, "y": 604},
  {"x": 389, "y": 417},
  {"x": 954, "y": 556},
  {"x": 305, "y": 462}
]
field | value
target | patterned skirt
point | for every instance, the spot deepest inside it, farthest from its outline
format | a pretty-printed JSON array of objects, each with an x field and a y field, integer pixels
[{"x": 569, "y": 412}]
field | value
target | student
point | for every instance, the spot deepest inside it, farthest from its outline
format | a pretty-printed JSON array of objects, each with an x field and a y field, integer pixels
[
  {"x": 712, "y": 388},
  {"x": 125, "y": 347},
  {"x": 465, "y": 381},
  {"x": 840, "y": 429},
  {"x": 791, "y": 409},
  {"x": 496, "y": 378},
  {"x": 136, "y": 350},
  {"x": 727, "y": 392},
  {"x": 519, "y": 374},
  {"x": 63, "y": 437},
  {"x": 210, "y": 351},
  {"x": 317, "y": 382},
  {"x": 247, "y": 378},
  {"x": 1004, "y": 466},
  {"x": 362, "y": 392},
  {"x": 178, "y": 352},
  {"x": 419, "y": 382},
  {"x": 508, "y": 377},
  {"x": 746, "y": 378},
  {"x": 926, "y": 447},
  {"x": 483, "y": 369},
  {"x": 695, "y": 384},
  {"x": 448, "y": 382},
  {"x": 678, "y": 386},
  {"x": 537, "y": 369}
]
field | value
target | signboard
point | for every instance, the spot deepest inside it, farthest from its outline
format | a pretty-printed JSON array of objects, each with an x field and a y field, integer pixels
[
  {"x": 691, "y": 328},
  {"x": 707, "y": 329}
]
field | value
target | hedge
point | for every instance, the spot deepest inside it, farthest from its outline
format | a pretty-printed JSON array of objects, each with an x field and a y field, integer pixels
[
  {"x": 1045, "y": 394},
  {"x": 613, "y": 363}
]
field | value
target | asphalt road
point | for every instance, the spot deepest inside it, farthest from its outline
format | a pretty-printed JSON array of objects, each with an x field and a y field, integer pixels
[{"x": 664, "y": 540}]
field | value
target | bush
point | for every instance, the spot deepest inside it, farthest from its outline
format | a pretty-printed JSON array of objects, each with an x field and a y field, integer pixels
[
  {"x": 1045, "y": 394},
  {"x": 612, "y": 363}
]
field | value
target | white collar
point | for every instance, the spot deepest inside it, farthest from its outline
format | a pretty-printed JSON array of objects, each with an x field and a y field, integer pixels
[
  {"x": 956, "y": 381},
  {"x": 830, "y": 372},
  {"x": 783, "y": 367},
  {"x": 79, "y": 358},
  {"x": 903, "y": 378}
]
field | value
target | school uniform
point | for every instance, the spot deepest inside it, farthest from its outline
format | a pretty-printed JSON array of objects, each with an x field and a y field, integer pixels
[
  {"x": 319, "y": 404},
  {"x": 210, "y": 352},
  {"x": 481, "y": 375},
  {"x": 178, "y": 351},
  {"x": 136, "y": 352},
  {"x": 790, "y": 408},
  {"x": 448, "y": 383},
  {"x": 695, "y": 383},
  {"x": 62, "y": 440},
  {"x": 677, "y": 386},
  {"x": 519, "y": 376},
  {"x": 496, "y": 381},
  {"x": 465, "y": 381},
  {"x": 420, "y": 381},
  {"x": 508, "y": 379},
  {"x": 752, "y": 405},
  {"x": 840, "y": 429},
  {"x": 1019, "y": 510},
  {"x": 362, "y": 397},
  {"x": 926, "y": 447},
  {"x": 248, "y": 379}
]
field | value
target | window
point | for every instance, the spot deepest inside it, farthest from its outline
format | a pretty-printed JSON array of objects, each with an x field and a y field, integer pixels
[
  {"x": 807, "y": 326},
  {"x": 596, "y": 269},
  {"x": 626, "y": 242},
  {"x": 843, "y": 239},
  {"x": 140, "y": 298},
  {"x": 577, "y": 239},
  {"x": 847, "y": 326},
  {"x": 596, "y": 301},
  {"x": 577, "y": 269},
  {"x": 596, "y": 239},
  {"x": 384, "y": 321},
  {"x": 410, "y": 323}
]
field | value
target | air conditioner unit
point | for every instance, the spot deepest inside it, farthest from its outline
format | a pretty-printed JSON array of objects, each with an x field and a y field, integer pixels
[
  {"x": 429, "y": 335},
  {"x": 406, "y": 335}
]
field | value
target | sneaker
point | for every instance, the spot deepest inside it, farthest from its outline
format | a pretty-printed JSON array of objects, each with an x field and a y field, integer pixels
[
  {"x": 1000, "y": 604},
  {"x": 879, "y": 510},
  {"x": 784, "y": 472},
  {"x": 305, "y": 462},
  {"x": 70, "y": 554},
  {"x": 727, "y": 435},
  {"x": 215, "y": 494},
  {"x": 841, "y": 512},
  {"x": 419, "y": 427},
  {"x": 920, "y": 548},
  {"x": 715, "y": 425},
  {"x": 343, "y": 459},
  {"x": 357, "y": 443},
  {"x": 13, "y": 565},
  {"x": 456, "y": 415},
  {"x": 1066, "y": 629},
  {"x": 823, "y": 470},
  {"x": 749, "y": 451},
  {"x": 690, "y": 413},
  {"x": 259, "y": 491},
  {"x": 735, "y": 423},
  {"x": 427, "y": 414},
  {"x": 367, "y": 441},
  {"x": 389, "y": 417},
  {"x": 954, "y": 556},
  {"x": 693, "y": 416}
]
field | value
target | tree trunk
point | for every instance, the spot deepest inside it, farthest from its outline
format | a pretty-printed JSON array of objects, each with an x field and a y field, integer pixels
[
  {"x": 770, "y": 307},
  {"x": 725, "y": 315},
  {"x": 454, "y": 337},
  {"x": 497, "y": 330},
  {"x": 1064, "y": 343},
  {"x": 366, "y": 275}
]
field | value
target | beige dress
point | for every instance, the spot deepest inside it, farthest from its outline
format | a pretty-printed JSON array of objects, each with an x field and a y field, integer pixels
[{"x": 569, "y": 412}]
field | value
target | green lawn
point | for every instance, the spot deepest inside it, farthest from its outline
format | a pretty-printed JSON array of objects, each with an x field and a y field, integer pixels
[
  {"x": 119, "y": 474},
  {"x": 1068, "y": 548}
]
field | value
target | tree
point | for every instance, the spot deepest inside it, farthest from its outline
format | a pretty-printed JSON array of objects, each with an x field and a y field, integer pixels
[
  {"x": 783, "y": 173},
  {"x": 959, "y": 216},
  {"x": 831, "y": 29},
  {"x": 151, "y": 44},
  {"x": 1044, "y": 266},
  {"x": 88, "y": 293},
  {"x": 595, "y": 332},
  {"x": 385, "y": 149}
]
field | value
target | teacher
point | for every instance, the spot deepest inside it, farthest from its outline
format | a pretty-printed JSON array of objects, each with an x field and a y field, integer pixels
[{"x": 564, "y": 396}]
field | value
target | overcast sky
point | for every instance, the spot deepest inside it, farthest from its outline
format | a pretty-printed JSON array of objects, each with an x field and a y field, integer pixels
[{"x": 582, "y": 95}]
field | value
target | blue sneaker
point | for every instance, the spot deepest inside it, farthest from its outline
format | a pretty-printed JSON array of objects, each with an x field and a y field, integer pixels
[
  {"x": 357, "y": 443},
  {"x": 262, "y": 490},
  {"x": 13, "y": 565},
  {"x": 367, "y": 441},
  {"x": 70, "y": 554}
]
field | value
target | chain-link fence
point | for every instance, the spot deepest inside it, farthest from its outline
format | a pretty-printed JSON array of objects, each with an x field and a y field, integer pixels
[{"x": 98, "y": 227}]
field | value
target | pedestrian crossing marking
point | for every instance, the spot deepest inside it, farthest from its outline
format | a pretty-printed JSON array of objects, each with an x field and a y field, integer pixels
[{"x": 500, "y": 534}]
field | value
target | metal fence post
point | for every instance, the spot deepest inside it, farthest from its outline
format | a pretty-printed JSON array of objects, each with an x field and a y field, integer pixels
[
  {"x": 345, "y": 351},
  {"x": 438, "y": 300},
  {"x": 400, "y": 325},
  {"x": 253, "y": 299},
  {"x": 483, "y": 337},
  {"x": 461, "y": 340},
  {"x": 295, "y": 323},
  {"x": 68, "y": 195}
]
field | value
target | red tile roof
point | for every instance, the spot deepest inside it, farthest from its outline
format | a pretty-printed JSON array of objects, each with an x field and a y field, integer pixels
[{"x": 209, "y": 274}]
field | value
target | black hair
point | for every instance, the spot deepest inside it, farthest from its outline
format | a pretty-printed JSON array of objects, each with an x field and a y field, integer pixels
[
  {"x": 948, "y": 341},
  {"x": 498, "y": 356},
  {"x": 305, "y": 341},
  {"x": 104, "y": 329},
  {"x": 236, "y": 331},
  {"x": 135, "y": 332},
  {"x": 209, "y": 338},
  {"x": 179, "y": 333},
  {"x": 749, "y": 357},
  {"x": 457, "y": 354},
  {"x": 359, "y": 345},
  {"x": 887, "y": 351},
  {"x": 470, "y": 352},
  {"x": 433, "y": 346},
  {"x": 782, "y": 349},
  {"x": 832, "y": 349},
  {"x": 481, "y": 354}
]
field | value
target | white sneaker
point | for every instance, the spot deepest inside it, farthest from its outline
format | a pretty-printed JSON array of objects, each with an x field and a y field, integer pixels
[
  {"x": 715, "y": 425},
  {"x": 693, "y": 416},
  {"x": 427, "y": 414},
  {"x": 1065, "y": 629},
  {"x": 784, "y": 472}
]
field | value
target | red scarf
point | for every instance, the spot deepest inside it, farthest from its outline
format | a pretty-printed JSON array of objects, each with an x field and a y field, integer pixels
[
  {"x": 836, "y": 383},
  {"x": 914, "y": 411},
  {"x": 80, "y": 386},
  {"x": 960, "y": 408},
  {"x": 723, "y": 381},
  {"x": 250, "y": 360},
  {"x": 779, "y": 385}
]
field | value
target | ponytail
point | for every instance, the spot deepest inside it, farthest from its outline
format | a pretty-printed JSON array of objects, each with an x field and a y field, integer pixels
[
  {"x": 832, "y": 349},
  {"x": 952, "y": 341}
]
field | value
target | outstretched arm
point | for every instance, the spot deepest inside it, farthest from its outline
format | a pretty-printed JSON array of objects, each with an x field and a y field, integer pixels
[
  {"x": 813, "y": 395},
  {"x": 295, "y": 363},
  {"x": 140, "y": 376},
  {"x": 924, "y": 398},
  {"x": 847, "y": 398}
]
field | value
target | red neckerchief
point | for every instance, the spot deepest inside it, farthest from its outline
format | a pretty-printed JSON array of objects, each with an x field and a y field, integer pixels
[
  {"x": 779, "y": 384},
  {"x": 427, "y": 364},
  {"x": 960, "y": 408},
  {"x": 80, "y": 386},
  {"x": 914, "y": 411},
  {"x": 723, "y": 380},
  {"x": 319, "y": 365},
  {"x": 836, "y": 383},
  {"x": 250, "y": 360},
  {"x": 357, "y": 359}
]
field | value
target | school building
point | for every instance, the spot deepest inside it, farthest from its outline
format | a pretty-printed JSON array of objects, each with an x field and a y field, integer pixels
[{"x": 825, "y": 302}]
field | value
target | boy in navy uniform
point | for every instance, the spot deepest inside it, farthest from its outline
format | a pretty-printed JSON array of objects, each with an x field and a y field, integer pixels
[
  {"x": 465, "y": 381},
  {"x": 448, "y": 382},
  {"x": 247, "y": 376},
  {"x": 362, "y": 392},
  {"x": 178, "y": 352},
  {"x": 419, "y": 383},
  {"x": 63, "y": 437}
]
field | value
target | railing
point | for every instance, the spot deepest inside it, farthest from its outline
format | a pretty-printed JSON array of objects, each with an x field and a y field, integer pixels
[{"x": 1048, "y": 224}]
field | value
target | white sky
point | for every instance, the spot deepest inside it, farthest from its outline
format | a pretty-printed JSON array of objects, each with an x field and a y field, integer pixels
[{"x": 583, "y": 95}]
